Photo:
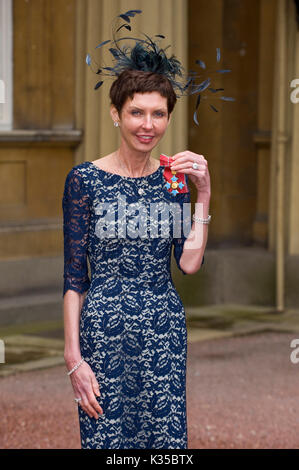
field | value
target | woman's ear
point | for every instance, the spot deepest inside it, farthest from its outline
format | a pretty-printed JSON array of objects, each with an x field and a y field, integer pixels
[{"x": 114, "y": 113}]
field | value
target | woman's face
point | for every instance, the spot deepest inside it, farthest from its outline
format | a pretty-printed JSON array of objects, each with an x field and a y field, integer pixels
[{"x": 143, "y": 120}]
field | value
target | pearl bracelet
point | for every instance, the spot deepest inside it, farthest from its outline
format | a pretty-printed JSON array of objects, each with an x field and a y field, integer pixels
[
  {"x": 76, "y": 367},
  {"x": 199, "y": 219}
]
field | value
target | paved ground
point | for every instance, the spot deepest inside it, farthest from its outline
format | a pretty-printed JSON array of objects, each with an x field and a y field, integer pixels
[
  {"x": 243, "y": 393},
  {"x": 242, "y": 388}
]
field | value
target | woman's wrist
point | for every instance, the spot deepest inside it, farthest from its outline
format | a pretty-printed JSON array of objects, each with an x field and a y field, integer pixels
[
  {"x": 71, "y": 358},
  {"x": 202, "y": 205}
]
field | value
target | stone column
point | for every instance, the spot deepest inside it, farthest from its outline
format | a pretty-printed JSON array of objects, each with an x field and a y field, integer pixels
[
  {"x": 284, "y": 190},
  {"x": 262, "y": 137},
  {"x": 292, "y": 177}
]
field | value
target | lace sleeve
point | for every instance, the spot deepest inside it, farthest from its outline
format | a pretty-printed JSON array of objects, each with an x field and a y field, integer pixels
[
  {"x": 185, "y": 219},
  {"x": 76, "y": 216}
]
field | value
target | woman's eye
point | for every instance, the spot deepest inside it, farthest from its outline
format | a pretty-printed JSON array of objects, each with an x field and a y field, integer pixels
[{"x": 158, "y": 113}]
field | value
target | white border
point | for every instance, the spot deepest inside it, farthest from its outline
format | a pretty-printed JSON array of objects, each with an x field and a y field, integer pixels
[{"x": 6, "y": 64}]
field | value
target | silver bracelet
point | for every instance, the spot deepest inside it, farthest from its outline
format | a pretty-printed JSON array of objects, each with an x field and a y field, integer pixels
[
  {"x": 199, "y": 219},
  {"x": 76, "y": 367}
]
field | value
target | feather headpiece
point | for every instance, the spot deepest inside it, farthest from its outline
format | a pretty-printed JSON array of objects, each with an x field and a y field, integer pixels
[{"x": 147, "y": 55}]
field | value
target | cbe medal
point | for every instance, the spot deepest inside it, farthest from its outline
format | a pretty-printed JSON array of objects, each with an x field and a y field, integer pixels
[{"x": 175, "y": 181}]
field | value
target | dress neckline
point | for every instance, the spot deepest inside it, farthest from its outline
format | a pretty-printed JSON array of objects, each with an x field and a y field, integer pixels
[{"x": 125, "y": 177}]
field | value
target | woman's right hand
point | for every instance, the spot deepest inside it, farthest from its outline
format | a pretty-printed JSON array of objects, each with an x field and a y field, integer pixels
[{"x": 85, "y": 386}]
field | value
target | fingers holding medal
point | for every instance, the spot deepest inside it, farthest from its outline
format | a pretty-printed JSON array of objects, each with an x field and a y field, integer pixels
[{"x": 195, "y": 165}]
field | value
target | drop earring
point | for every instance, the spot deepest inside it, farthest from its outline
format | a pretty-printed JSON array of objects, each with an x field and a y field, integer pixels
[{"x": 115, "y": 124}]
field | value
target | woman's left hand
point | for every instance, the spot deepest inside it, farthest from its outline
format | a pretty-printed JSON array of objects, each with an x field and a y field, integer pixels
[{"x": 183, "y": 162}]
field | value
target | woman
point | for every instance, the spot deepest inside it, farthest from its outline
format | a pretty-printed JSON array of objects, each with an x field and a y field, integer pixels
[
  {"x": 125, "y": 328},
  {"x": 132, "y": 332}
]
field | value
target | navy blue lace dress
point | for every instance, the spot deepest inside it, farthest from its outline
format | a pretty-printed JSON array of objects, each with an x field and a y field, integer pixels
[{"x": 132, "y": 324}]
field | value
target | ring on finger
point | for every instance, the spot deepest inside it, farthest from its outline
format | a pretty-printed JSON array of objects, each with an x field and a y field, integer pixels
[{"x": 195, "y": 166}]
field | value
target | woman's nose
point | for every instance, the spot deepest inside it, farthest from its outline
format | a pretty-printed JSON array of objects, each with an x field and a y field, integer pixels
[{"x": 147, "y": 122}]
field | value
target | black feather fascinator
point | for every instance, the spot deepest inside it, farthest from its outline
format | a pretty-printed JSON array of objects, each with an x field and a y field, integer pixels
[{"x": 147, "y": 55}]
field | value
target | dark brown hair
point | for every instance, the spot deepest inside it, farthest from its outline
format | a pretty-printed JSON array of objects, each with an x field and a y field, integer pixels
[{"x": 137, "y": 81}]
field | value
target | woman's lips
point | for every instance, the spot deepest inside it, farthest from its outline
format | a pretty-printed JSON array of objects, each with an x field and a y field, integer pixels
[{"x": 145, "y": 139}]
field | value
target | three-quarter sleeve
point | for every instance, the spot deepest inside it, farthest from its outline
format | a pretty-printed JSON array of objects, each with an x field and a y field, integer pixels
[
  {"x": 76, "y": 218},
  {"x": 186, "y": 222}
]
